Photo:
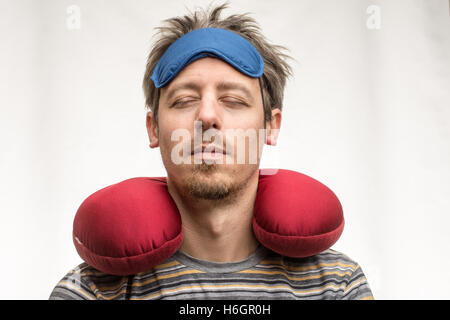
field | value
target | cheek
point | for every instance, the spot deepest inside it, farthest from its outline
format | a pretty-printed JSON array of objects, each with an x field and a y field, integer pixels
[
  {"x": 174, "y": 137},
  {"x": 252, "y": 121},
  {"x": 246, "y": 142},
  {"x": 171, "y": 124}
]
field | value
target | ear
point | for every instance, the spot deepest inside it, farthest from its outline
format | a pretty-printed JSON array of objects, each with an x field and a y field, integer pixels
[
  {"x": 273, "y": 127},
  {"x": 152, "y": 130}
]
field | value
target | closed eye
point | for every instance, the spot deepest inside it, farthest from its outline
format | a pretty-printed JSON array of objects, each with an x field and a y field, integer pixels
[
  {"x": 234, "y": 101},
  {"x": 184, "y": 102}
]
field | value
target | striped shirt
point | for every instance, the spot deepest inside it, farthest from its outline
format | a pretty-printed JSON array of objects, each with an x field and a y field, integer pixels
[{"x": 264, "y": 275}]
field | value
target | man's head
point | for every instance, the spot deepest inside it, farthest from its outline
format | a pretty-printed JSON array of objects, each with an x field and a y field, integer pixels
[
  {"x": 276, "y": 69},
  {"x": 209, "y": 96}
]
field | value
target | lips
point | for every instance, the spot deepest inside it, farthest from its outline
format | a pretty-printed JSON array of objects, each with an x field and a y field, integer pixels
[{"x": 208, "y": 149}]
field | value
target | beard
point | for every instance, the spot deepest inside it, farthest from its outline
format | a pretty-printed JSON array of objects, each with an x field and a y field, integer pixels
[{"x": 209, "y": 182}]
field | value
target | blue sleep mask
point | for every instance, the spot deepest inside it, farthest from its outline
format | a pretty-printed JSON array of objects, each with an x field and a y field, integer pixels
[{"x": 208, "y": 42}]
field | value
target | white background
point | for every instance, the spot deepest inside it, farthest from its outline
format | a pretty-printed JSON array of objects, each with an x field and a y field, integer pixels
[{"x": 367, "y": 113}]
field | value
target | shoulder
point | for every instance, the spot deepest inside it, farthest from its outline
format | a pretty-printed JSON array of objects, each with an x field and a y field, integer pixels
[
  {"x": 326, "y": 259},
  {"x": 87, "y": 283},
  {"x": 77, "y": 284},
  {"x": 332, "y": 273}
]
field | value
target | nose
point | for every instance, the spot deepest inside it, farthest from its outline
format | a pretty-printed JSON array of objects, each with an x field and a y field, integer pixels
[{"x": 209, "y": 112}]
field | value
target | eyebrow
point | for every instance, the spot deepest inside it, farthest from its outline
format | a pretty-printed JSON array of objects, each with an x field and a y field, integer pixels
[
  {"x": 180, "y": 86},
  {"x": 227, "y": 85},
  {"x": 221, "y": 86}
]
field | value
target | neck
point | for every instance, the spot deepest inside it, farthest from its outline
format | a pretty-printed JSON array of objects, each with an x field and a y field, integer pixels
[{"x": 218, "y": 231}]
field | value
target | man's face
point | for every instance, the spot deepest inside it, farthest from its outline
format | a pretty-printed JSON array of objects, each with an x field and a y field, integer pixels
[{"x": 209, "y": 96}]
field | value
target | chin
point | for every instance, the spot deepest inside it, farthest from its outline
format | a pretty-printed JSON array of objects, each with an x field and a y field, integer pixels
[
  {"x": 210, "y": 182},
  {"x": 209, "y": 188}
]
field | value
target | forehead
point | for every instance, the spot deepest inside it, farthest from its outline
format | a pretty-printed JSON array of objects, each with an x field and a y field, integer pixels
[{"x": 207, "y": 71}]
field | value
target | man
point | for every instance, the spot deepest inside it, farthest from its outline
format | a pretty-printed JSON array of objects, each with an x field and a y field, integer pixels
[{"x": 219, "y": 93}]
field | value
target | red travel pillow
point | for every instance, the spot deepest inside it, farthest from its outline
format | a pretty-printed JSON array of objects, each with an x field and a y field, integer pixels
[{"x": 134, "y": 225}]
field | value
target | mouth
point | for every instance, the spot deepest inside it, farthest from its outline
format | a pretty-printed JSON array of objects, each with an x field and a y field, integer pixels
[
  {"x": 209, "y": 150},
  {"x": 210, "y": 153}
]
